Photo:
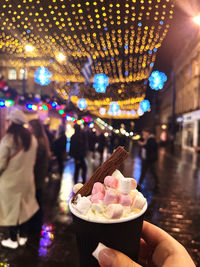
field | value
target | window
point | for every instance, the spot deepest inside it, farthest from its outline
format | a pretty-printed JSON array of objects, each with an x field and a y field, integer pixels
[
  {"x": 12, "y": 74},
  {"x": 21, "y": 74}
]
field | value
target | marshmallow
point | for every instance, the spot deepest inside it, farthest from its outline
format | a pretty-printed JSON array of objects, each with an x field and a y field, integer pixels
[
  {"x": 98, "y": 187},
  {"x": 111, "y": 181},
  {"x": 139, "y": 202},
  {"x": 125, "y": 185},
  {"x": 77, "y": 187},
  {"x": 125, "y": 200},
  {"x": 117, "y": 174},
  {"x": 83, "y": 205},
  {"x": 98, "y": 196},
  {"x": 134, "y": 192},
  {"x": 114, "y": 211},
  {"x": 133, "y": 184},
  {"x": 110, "y": 197}
]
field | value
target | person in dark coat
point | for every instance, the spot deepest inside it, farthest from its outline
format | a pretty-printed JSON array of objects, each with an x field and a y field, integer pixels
[
  {"x": 60, "y": 149},
  {"x": 101, "y": 141},
  {"x": 149, "y": 154},
  {"x": 78, "y": 152}
]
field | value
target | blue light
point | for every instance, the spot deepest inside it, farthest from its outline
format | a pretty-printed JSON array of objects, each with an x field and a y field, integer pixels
[
  {"x": 145, "y": 105},
  {"x": 28, "y": 31},
  {"x": 152, "y": 64},
  {"x": 161, "y": 22},
  {"x": 150, "y": 52},
  {"x": 2, "y": 103},
  {"x": 82, "y": 103},
  {"x": 139, "y": 24},
  {"x": 53, "y": 104},
  {"x": 157, "y": 80},
  {"x": 100, "y": 82},
  {"x": 105, "y": 28},
  {"x": 42, "y": 76},
  {"x": 126, "y": 47},
  {"x": 126, "y": 73},
  {"x": 29, "y": 106},
  {"x": 114, "y": 107},
  {"x": 155, "y": 49},
  {"x": 105, "y": 48}
]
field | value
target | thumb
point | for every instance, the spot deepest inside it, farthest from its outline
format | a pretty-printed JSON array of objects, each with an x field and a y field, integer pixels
[{"x": 108, "y": 257}]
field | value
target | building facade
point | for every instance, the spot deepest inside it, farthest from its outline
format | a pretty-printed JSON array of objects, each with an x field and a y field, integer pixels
[{"x": 186, "y": 84}]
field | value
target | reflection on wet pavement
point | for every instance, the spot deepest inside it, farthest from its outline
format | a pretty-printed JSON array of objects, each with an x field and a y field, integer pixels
[{"x": 175, "y": 208}]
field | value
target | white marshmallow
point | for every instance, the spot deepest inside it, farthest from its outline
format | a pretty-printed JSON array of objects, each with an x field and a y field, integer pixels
[
  {"x": 125, "y": 185},
  {"x": 77, "y": 187},
  {"x": 83, "y": 205},
  {"x": 114, "y": 211},
  {"x": 139, "y": 202},
  {"x": 117, "y": 174}
]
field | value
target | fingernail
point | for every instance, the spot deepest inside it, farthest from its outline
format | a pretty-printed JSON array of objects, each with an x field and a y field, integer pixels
[
  {"x": 98, "y": 249},
  {"x": 105, "y": 256}
]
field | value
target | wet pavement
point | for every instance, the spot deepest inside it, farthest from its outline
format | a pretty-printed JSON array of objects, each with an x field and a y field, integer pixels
[{"x": 175, "y": 208}]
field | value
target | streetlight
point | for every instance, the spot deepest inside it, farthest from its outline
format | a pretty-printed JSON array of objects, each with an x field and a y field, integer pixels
[
  {"x": 61, "y": 57},
  {"x": 196, "y": 19},
  {"x": 28, "y": 48}
]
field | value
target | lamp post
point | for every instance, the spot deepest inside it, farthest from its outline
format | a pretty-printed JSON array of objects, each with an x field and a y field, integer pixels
[{"x": 28, "y": 49}]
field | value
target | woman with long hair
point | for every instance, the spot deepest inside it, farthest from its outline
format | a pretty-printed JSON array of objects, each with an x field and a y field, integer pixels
[
  {"x": 17, "y": 188},
  {"x": 41, "y": 164}
]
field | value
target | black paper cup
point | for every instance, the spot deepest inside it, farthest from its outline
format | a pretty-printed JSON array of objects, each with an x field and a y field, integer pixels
[{"x": 120, "y": 234}]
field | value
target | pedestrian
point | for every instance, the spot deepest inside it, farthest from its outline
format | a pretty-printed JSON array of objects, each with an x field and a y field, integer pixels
[
  {"x": 17, "y": 187},
  {"x": 60, "y": 148},
  {"x": 101, "y": 142},
  {"x": 149, "y": 155},
  {"x": 78, "y": 152},
  {"x": 92, "y": 139},
  {"x": 41, "y": 166},
  {"x": 157, "y": 248}
]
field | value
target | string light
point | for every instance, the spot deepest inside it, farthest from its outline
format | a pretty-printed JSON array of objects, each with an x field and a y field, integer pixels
[{"x": 122, "y": 38}]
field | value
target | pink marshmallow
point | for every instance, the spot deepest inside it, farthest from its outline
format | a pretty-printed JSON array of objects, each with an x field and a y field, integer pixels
[
  {"x": 111, "y": 181},
  {"x": 98, "y": 196},
  {"x": 124, "y": 200},
  {"x": 110, "y": 197},
  {"x": 98, "y": 187}
]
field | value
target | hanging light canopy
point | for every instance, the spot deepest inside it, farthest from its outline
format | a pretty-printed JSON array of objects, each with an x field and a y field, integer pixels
[{"x": 121, "y": 37}]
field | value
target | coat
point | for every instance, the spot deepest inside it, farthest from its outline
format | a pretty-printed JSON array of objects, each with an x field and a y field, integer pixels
[
  {"x": 41, "y": 166},
  {"x": 150, "y": 149},
  {"x": 17, "y": 188}
]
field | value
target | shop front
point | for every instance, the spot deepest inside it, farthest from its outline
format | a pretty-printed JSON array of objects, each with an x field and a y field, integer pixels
[{"x": 191, "y": 130}]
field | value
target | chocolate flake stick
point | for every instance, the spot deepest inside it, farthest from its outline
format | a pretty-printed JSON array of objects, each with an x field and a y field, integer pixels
[{"x": 107, "y": 168}]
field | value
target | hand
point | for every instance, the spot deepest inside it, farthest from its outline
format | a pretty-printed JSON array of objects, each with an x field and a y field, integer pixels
[{"x": 157, "y": 249}]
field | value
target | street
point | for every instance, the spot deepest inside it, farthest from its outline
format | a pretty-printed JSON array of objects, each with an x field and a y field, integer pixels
[{"x": 175, "y": 208}]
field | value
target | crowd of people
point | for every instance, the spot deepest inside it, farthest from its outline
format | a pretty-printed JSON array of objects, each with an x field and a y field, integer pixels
[{"x": 25, "y": 160}]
